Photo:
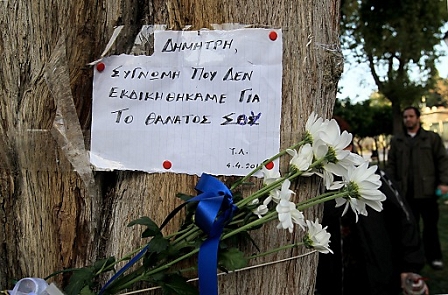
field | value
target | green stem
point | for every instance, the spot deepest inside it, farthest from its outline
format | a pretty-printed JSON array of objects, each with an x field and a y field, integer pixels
[
  {"x": 171, "y": 263},
  {"x": 262, "y": 191},
  {"x": 321, "y": 199},
  {"x": 183, "y": 231},
  {"x": 125, "y": 282},
  {"x": 236, "y": 217},
  {"x": 276, "y": 184},
  {"x": 275, "y": 157},
  {"x": 300, "y": 206},
  {"x": 146, "y": 274},
  {"x": 181, "y": 244},
  {"x": 268, "y": 217},
  {"x": 192, "y": 231},
  {"x": 128, "y": 256},
  {"x": 185, "y": 235}
]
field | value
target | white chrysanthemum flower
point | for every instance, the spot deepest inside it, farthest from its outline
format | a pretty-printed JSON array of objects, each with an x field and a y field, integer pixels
[
  {"x": 317, "y": 237},
  {"x": 302, "y": 159},
  {"x": 254, "y": 202},
  {"x": 314, "y": 125},
  {"x": 356, "y": 159},
  {"x": 274, "y": 195},
  {"x": 261, "y": 210},
  {"x": 332, "y": 136},
  {"x": 270, "y": 176},
  {"x": 337, "y": 142},
  {"x": 326, "y": 170},
  {"x": 363, "y": 186},
  {"x": 344, "y": 165},
  {"x": 287, "y": 211}
]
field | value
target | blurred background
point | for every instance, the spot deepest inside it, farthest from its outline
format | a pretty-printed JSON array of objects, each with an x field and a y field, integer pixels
[{"x": 396, "y": 55}]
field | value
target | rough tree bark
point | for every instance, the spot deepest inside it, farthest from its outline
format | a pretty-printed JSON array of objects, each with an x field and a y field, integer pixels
[{"x": 55, "y": 211}]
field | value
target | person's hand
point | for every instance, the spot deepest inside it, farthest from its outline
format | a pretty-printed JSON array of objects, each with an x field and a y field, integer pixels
[
  {"x": 406, "y": 275},
  {"x": 443, "y": 188}
]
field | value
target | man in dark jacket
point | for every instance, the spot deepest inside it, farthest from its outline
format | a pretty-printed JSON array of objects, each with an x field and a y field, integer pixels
[{"x": 418, "y": 164}]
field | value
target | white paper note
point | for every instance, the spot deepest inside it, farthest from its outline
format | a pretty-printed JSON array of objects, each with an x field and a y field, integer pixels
[{"x": 205, "y": 101}]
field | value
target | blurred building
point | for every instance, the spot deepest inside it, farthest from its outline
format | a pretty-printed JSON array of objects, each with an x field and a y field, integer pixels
[{"x": 436, "y": 119}]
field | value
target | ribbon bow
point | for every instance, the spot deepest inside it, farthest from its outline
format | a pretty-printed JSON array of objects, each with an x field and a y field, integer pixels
[{"x": 214, "y": 198}]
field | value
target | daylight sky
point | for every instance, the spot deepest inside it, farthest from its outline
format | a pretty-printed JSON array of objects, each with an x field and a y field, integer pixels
[{"x": 357, "y": 82}]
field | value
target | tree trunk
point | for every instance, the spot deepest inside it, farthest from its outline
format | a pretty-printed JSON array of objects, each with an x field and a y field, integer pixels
[
  {"x": 56, "y": 212},
  {"x": 397, "y": 117}
]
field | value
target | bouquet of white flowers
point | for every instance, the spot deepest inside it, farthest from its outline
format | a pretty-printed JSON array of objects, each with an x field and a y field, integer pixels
[{"x": 218, "y": 219}]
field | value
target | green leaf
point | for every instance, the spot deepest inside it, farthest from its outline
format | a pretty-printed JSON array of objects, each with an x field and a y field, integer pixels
[
  {"x": 152, "y": 228},
  {"x": 157, "y": 278},
  {"x": 150, "y": 259},
  {"x": 80, "y": 279},
  {"x": 232, "y": 259},
  {"x": 158, "y": 244},
  {"x": 86, "y": 291},
  {"x": 103, "y": 264},
  {"x": 237, "y": 196},
  {"x": 147, "y": 233},
  {"x": 249, "y": 217},
  {"x": 177, "y": 285},
  {"x": 184, "y": 197},
  {"x": 183, "y": 248}
]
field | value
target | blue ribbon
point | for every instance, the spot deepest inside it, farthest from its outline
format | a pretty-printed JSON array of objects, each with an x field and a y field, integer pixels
[
  {"x": 124, "y": 268},
  {"x": 214, "y": 198}
]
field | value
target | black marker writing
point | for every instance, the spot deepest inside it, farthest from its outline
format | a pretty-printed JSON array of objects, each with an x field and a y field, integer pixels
[
  {"x": 241, "y": 119},
  {"x": 171, "y": 46},
  {"x": 247, "y": 95},
  {"x": 239, "y": 151},
  {"x": 116, "y": 92},
  {"x": 128, "y": 119},
  {"x": 237, "y": 75},
  {"x": 153, "y": 118},
  {"x": 200, "y": 73},
  {"x": 139, "y": 73}
]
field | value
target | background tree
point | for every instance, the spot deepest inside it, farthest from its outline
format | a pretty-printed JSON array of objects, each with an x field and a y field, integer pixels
[
  {"x": 55, "y": 211},
  {"x": 437, "y": 95},
  {"x": 358, "y": 115},
  {"x": 369, "y": 118},
  {"x": 396, "y": 39}
]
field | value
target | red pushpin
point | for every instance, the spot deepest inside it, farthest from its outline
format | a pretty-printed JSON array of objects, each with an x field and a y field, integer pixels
[
  {"x": 273, "y": 35},
  {"x": 269, "y": 165},
  {"x": 167, "y": 165},
  {"x": 100, "y": 67}
]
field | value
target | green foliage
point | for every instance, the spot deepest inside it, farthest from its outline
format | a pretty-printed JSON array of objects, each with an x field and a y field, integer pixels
[
  {"x": 161, "y": 251},
  {"x": 232, "y": 259},
  {"x": 158, "y": 244},
  {"x": 395, "y": 38},
  {"x": 365, "y": 118},
  {"x": 167, "y": 259},
  {"x": 177, "y": 285},
  {"x": 82, "y": 281},
  {"x": 438, "y": 95},
  {"x": 152, "y": 228},
  {"x": 86, "y": 291}
]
